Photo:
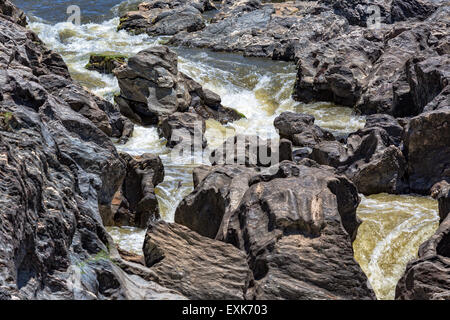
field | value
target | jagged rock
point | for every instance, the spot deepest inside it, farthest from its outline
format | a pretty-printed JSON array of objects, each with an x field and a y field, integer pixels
[
  {"x": 428, "y": 276},
  {"x": 166, "y": 17},
  {"x": 198, "y": 267},
  {"x": 185, "y": 129},
  {"x": 295, "y": 224},
  {"x": 59, "y": 174},
  {"x": 251, "y": 151},
  {"x": 391, "y": 125},
  {"x": 105, "y": 63},
  {"x": 10, "y": 12},
  {"x": 218, "y": 191},
  {"x": 294, "y": 221},
  {"x": 427, "y": 148},
  {"x": 264, "y": 29},
  {"x": 300, "y": 129},
  {"x": 152, "y": 88},
  {"x": 135, "y": 203}
]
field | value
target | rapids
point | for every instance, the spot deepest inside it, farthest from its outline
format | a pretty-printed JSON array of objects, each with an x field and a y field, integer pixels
[{"x": 393, "y": 226}]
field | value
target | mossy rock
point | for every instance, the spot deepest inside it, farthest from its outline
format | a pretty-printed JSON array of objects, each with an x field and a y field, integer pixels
[{"x": 105, "y": 63}]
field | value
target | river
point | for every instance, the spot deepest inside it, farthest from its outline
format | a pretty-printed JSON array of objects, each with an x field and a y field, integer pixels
[{"x": 393, "y": 226}]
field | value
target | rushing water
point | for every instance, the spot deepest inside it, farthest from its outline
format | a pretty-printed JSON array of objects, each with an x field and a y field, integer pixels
[{"x": 393, "y": 226}]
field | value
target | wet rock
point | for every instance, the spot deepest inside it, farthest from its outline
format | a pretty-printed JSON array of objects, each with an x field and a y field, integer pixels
[
  {"x": 165, "y": 17},
  {"x": 135, "y": 203},
  {"x": 152, "y": 88},
  {"x": 105, "y": 63},
  {"x": 428, "y": 278},
  {"x": 391, "y": 125},
  {"x": 185, "y": 130},
  {"x": 59, "y": 174},
  {"x": 300, "y": 129},
  {"x": 218, "y": 191},
  {"x": 198, "y": 267},
  {"x": 427, "y": 147}
]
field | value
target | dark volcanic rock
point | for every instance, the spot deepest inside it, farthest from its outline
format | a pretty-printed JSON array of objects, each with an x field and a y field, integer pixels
[
  {"x": 59, "y": 174},
  {"x": 294, "y": 222},
  {"x": 428, "y": 277},
  {"x": 166, "y": 17},
  {"x": 152, "y": 88},
  {"x": 217, "y": 193},
  {"x": 12, "y": 13},
  {"x": 186, "y": 129},
  {"x": 199, "y": 267},
  {"x": 251, "y": 151},
  {"x": 300, "y": 129},
  {"x": 427, "y": 148},
  {"x": 135, "y": 204},
  {"x": 105, "y": 63}
]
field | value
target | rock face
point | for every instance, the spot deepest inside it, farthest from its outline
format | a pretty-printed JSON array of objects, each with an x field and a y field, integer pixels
[
  {"x": 251, "y": 151},
  {"x": 105, "y": 63},
  {"x": 10, "y": 12},
  {"x": 59, "y": 174},
  {"x": 427, "y": 147},
  {"x": 152, "y": 88},
  {"x": 166, "y": 17},
  {"x": 428, "y": 277},
  {"x": 135, "y": 203},
  {"x": 293, "y": 224},
  {"x": 371, "y": 158},
  {"x": 197, "y": 266}
]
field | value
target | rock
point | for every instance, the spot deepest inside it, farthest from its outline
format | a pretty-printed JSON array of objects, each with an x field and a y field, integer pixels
[
  {"x": 10, "y": 12},
  {"x": 293, "y": 222},
  {"x": 296, "y": 224},
  {"x": 59, "y": 174},
  {"x": 185, "y": 130},
  {"x": 105, "y": 63},
  {"x": 300, "y": 129},
  {"x": 152, "y": 88},
  {"x": 270, "y": 30},
  {"x": 427, "y": 148},
  {"x": 136, "y": 203},
  {"x": 218, "y": 191},
  {"x": 165, "y": 17},
  {"x": 199, "y": 267},
  {"x": 427, "y": 277},
  {"x": 251, "y": 151},
  {"x": 391, "y": 125},
  {"x": 102, "y": 113}
]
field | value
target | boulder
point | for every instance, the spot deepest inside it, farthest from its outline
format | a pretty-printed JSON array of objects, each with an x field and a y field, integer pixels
[
  {"x": 105, "y": 63},
  {"x": 251, "y": 151},
  {"x": 427, "y": 148},
  {"x": 428, "y": 276},
  {"x": 135, "y": 203},
  {"x": 218, "y": 191},
  {"x": 151, "y": 87},
  {"x": 59, "y": 174},
  {"x": 198, "y": 267},
  {"x": 166, "y": 17},
  {"x": 185, "y": 129}
]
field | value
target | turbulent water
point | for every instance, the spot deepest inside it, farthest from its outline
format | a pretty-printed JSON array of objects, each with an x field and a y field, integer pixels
[{"x": 393, "y": 226}]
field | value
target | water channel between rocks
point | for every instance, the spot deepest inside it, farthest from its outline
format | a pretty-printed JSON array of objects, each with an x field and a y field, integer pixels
[{"x": 393, "y": 226}]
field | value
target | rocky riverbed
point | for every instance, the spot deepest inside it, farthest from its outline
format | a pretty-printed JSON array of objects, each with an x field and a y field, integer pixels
[{"x": 226, "y": 150}]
